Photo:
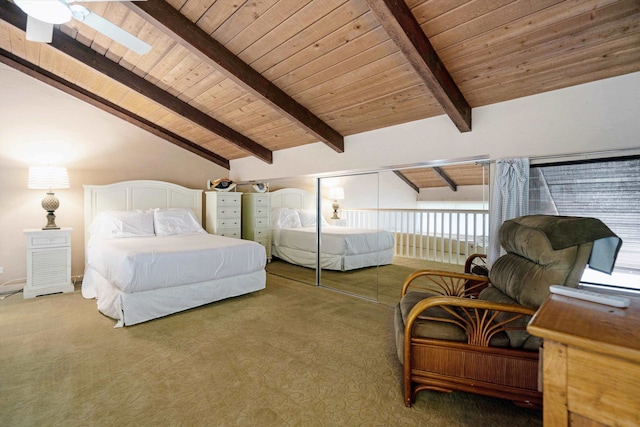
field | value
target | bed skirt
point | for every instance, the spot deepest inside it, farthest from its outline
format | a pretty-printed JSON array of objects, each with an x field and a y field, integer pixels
[
  {"x": 333, "y": 262},
  {"x": 132, "y": 308}
]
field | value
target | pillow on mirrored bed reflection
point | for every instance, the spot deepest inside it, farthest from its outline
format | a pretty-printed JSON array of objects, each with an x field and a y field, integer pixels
[
  {"x": 285, "y": 218},
  {"x": 119, "y": 224},
  {"x": 308, "y": 218}
]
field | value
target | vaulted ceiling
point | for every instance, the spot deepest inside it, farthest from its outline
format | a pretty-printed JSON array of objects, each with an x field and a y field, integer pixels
[{"x": 226, "y": 79}]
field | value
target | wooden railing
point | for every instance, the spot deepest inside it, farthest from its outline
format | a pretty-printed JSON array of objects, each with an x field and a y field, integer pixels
[{"x": 436, "y": 235}]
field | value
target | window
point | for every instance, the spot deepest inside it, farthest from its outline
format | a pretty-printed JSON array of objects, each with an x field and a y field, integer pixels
[{"x": 607, "y": 189}]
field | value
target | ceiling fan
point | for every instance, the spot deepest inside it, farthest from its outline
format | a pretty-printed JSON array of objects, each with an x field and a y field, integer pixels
[{"x": 42, "y": 15}]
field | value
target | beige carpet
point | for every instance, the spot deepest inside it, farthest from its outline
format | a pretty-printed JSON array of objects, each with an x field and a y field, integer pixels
[
  {"x": 290, "y": 355},
  {"x": 382, "y": 284}
]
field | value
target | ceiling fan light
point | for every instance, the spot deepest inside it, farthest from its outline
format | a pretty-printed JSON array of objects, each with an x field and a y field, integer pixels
[{"x": 51, "y": 11}]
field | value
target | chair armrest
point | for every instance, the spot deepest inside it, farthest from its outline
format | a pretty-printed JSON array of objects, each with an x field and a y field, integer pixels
[
  {"x": 478, "y": 318},
  {"x": 445, "y": 283},
  {"x": 479, "y": 260}
]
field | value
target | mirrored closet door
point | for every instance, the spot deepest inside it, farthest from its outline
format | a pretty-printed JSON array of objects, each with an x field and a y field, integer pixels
[
  {"x": 352, "y": 245},
  {"x": 369, "y": 231},
  {"x": 292, "y": 221}
]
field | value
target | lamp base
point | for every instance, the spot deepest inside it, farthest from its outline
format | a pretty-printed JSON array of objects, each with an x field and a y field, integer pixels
[
  {"x": 50, "y": 203},
  {"x": 51, "y": 222},
  {"x": 335, "y": 207}
]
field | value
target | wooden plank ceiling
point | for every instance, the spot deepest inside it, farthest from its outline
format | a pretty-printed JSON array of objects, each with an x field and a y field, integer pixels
[{"x": 227, "y": 79}]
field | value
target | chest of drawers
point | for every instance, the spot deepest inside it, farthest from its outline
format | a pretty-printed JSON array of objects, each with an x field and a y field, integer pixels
[
  {"x": 223, "y": 213},
  {"x": 256, "y": 219}
]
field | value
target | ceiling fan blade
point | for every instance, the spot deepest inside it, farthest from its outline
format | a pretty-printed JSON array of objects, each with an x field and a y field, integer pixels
[
  {"x": 39, "y": 31},
  {"x": 109, "y": 29}
]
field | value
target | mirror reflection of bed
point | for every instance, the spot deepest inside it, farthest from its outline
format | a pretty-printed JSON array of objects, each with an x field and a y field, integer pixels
[{"x": 354, "y": 260}]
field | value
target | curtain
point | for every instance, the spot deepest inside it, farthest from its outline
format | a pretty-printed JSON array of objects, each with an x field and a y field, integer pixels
[{"x": 510, "y": 199}]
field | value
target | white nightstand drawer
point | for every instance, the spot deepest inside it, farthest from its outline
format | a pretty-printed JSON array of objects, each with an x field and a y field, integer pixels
[
  {"x": 262, "y": 211},
  {"x": 41, "y": 241}
]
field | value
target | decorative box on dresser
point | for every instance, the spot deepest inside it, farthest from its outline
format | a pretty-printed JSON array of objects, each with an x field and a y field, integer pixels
[
  {"x": 223, "y": 213},
  {"x": 256, "y": 224},
  {"x": 590, "y": 362},
  {"x": 48, "y": 262}
]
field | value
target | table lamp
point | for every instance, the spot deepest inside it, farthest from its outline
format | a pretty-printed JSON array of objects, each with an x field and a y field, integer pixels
[
  {"x": 49, "y": 178},
  {"x": 336, "y": 193}
]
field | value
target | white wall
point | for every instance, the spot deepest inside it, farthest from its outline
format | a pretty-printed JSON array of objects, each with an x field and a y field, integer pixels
[
  {"x": 40, "y": 125},
  {"x": 597, "y": 116}
]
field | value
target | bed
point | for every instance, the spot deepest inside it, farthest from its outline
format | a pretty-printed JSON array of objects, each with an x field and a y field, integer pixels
[
  {"x": 147, "y": 256},
  {"x": 294, "y": 229}
]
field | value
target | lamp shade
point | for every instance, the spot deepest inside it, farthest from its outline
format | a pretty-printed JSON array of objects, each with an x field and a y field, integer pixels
[
  {"x": 48, "y": 178},
  {"x": 336, "y": 193}
]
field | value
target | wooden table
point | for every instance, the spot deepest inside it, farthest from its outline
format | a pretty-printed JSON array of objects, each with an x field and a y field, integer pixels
[{"x": 591, "y": 362}]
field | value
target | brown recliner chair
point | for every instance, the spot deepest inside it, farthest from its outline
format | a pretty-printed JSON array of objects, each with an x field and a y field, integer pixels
[{"x": 466, "y": 332}]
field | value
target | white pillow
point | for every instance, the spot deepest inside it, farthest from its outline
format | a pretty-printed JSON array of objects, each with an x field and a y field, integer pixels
[
  {"x": 173, "y": 221},
  {"x": 308, "y": 218},
  {"x": 285, "y": 218},
  {"x": 118, "y": 224}
]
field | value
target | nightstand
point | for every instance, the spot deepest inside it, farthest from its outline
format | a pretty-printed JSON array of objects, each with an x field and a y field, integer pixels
[
  {"x": 340, "y": 222},
  {"x": 48, "y": 262}
]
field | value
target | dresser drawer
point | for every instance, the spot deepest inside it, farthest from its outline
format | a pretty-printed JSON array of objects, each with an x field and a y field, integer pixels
[
  {"x": 261, "y": 223},
  {"x": 229, "y": 232},
  {"x": 261, "y": 201},
  {"x": 228, "y": 212},
  {"x": 229, "y": 223},
  {"x": 264, "y": 241},
  {"x": 261, "y": 232},
  {"x": 262, "y": 211},
  {"x": 229, "y": 200}
]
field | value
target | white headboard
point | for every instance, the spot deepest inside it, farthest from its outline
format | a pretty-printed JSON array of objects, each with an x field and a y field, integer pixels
[
  {"x": 131, "y": 195},
  {"x": 293, "y": 198}
]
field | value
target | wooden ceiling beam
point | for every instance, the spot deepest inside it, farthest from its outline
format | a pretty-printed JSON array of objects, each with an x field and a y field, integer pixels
[
  {"x": 403, "y": 28},
  {"x": 179, "y": 28},
  {"x": 407, "y": 181},
  {"x": 59, "y": 83},
  {"x": 14, "y": 16},
  {"x": 442, "y": 174}
]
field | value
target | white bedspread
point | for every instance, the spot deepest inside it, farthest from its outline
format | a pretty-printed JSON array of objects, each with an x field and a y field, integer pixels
[
  {"x": 145, "y": 263},
  {"x": 335, "y": 240}
]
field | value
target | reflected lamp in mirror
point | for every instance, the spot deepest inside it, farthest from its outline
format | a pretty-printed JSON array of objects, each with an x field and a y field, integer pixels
[
  {"x": 336, "y": 193},
  {"x": 49, "y": 178}
]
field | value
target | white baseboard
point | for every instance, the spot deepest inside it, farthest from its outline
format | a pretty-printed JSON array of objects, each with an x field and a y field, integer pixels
[{"x": 7, "y": 289}]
